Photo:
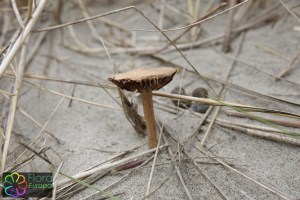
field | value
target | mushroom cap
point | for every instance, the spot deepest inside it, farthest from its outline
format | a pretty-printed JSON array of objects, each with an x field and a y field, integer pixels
[{"x": 142, "y": 79}]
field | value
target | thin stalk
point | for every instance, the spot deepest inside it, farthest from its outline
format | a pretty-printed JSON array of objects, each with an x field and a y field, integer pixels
[{"x": 149, "y": 118}]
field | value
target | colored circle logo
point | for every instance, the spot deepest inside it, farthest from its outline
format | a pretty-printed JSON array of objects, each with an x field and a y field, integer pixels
[{"x": 14, "y": 185}]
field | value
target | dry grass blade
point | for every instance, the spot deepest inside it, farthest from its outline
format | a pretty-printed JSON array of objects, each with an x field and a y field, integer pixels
[
  {"x": 188, "y": 193},
  {"x": 106, "y": 166},
  {"x": 215, "y": 158},
  {"x": 289, "y": 10},
  {"x": 154, "y": 163},
  {"x": 212, "y": 102},
  {"x": 294, "y": 124},
  {"x": 70, "y": 97},
  {"x": 7, "y": 93},
  {"x": 37, "y": 153},
  {"x": 262, "y": 134},
  {"x": 198, "y": 22},
  {"x": 42, "y": 129},
  {"x": 55, "y": 79},
  {"x": 207, "y": 178},
  {"x": 228, "y": 31},
  {"x": 13, "y": 106},
  {"x": 55, "y": 181},
  {"x": 94, "y": 84},
  {"x": 122, "y": 178},
  {"x": 289, "y": 66},
  {"x": 25, "y": 114},
  {"x": 29, "y": 12},
  {"x": 116, "y": 37},
  {"x": 223, "y": 90},
  {"x": 188, "y": 29},
  {"x": 17, "y": 13},
  {"x": 22, "y": 37},
  {"x": 153, "y": 24},
  {"x": 135, "y": 8}
]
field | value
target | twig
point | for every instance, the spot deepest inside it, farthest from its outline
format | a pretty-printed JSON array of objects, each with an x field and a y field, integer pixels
[
  {"x": 214, "y": 157},
  {"x": 151, "y": 50},
  {"x": 55, "y": 181},
  {"x": 228, "y": 31},
  {"x": 240, "y": 13},
  {"x": 37, "y": 153},
  {"x": 25, "y": 114},
  {"x": 161, "y": 14},
  {"x": 122, "y": 178},
  {"x": 13, "y": 106},
  {"x": 29, "y": 11},
  {"x": 85, "y": 19},
  {"x": 262, "y": 134},
  {"x": 154, "y": 163},
  {"x": 272, "y": 52},
  {"x": 22, "y": 37},
  {"x": 106, "y": 166},
  {"x": 196, "y": 23},
  {"x": 42, "y": 129},
  {"x": 275, "y": 121},
  {"x": 218, "y": 80},
  {"x": 222, "y": 90},
  {"x": 80, "y": 44},
  {"x": 207, "y": 178},
  {"x": 159, "y": 186},
  {"x": 213, "y": 39},
  {"x": 25, "y": 162},
  {"x": 190, "y": 197},
  {"x": 12, "y": 10},
  {"x": 194, "y": 31},
  {"x": 289, "y": 10},
  {"x": 7, "y": 93},
  {"x": 17, "y": 13},
  {"x": 4, "y": 31},
  {"x": 151, "y": 22},
  {"x": 289, "y": 66},
  {"x": 129, "y": 165},
  {"x": 35, "y": 47},
  {"x": 47, "y": 78},
  {"x": 176, "y": 38},
  {"x": 261, "y": 128},
  {"x": 70, "y": 97},
  {"x": 222, "y": 103},
  {"x": 96, "y": 34}
]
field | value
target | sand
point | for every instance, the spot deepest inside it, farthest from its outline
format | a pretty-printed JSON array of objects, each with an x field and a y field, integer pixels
[{"x": 83, "y": 129}]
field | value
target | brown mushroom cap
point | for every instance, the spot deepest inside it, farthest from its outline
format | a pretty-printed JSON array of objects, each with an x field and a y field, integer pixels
[{"x": 144, "y": 79}]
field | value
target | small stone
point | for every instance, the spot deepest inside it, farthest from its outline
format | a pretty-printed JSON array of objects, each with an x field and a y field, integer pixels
[
  {"x": 201, "y": 93},
  {"x": 199, "y": 108},
  {"x": 180, "y": 103}
]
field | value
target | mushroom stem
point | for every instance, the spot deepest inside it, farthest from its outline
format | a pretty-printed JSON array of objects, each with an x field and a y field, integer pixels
[{"x": 149, "y": 118}]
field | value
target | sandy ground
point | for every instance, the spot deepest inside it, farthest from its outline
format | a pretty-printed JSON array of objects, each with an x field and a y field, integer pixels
[{"x": 84, "y": 128}]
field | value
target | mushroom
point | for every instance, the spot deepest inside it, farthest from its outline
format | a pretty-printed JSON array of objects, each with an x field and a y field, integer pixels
[{"x": 145, "y": 81}]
